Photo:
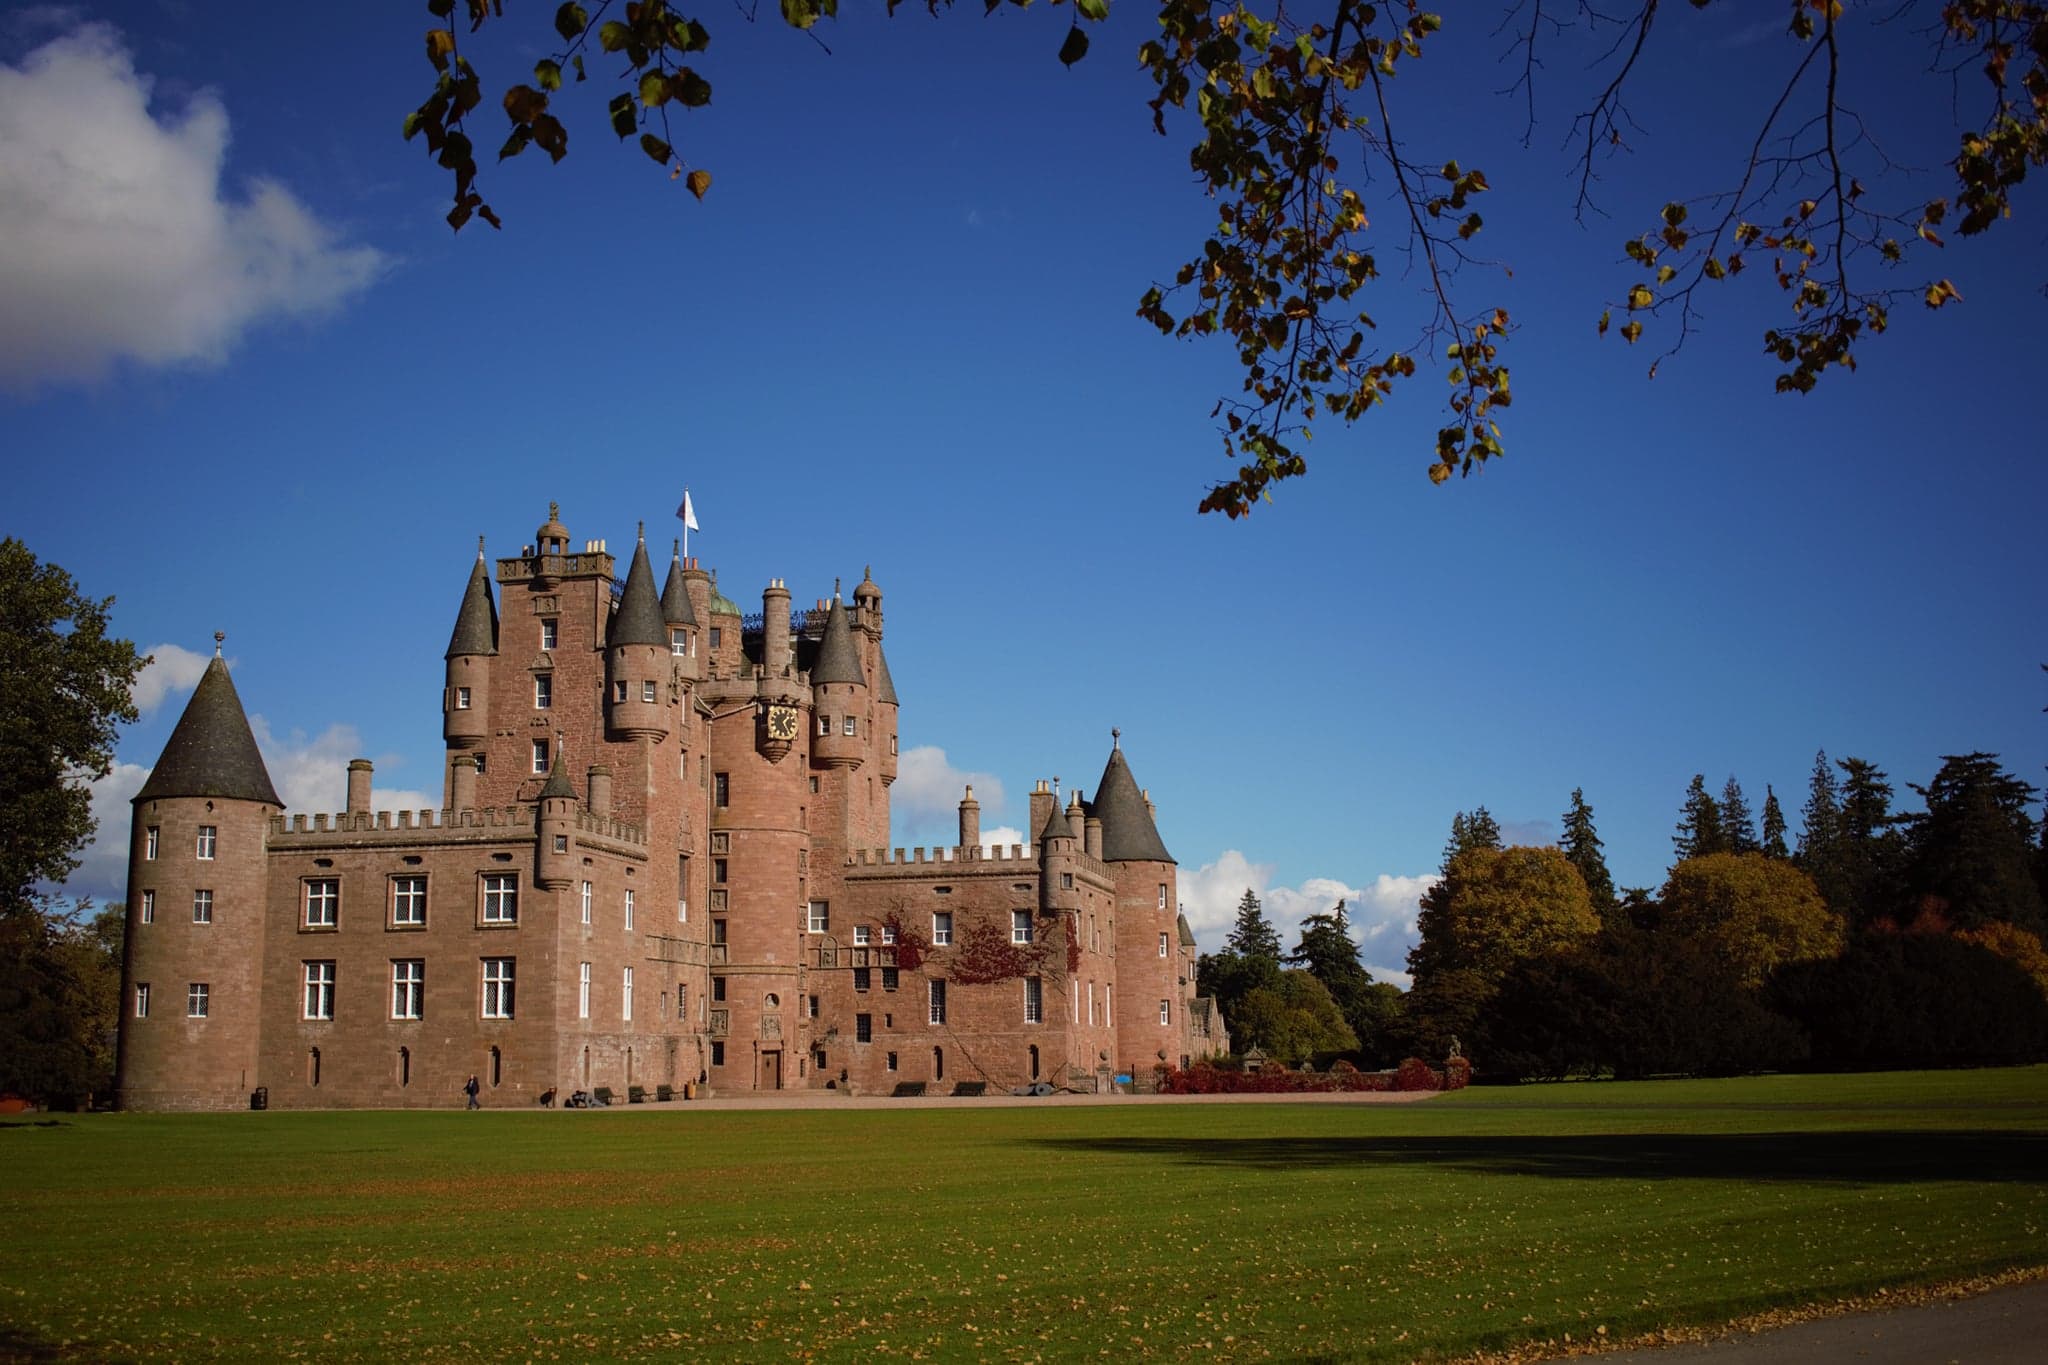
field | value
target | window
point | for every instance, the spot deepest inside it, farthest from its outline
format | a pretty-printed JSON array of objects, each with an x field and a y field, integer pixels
[
  {"x": 142, "y": 1000},
  {"x": 626, "y": 996},
  {"x": 1162, "y": 945},
  {"x": 498, "y": 982},
  {"x": 1034, "y": 1000},
  {"x": 618, "y": 691},
  {"x": 863, "y": 1028},
  {"x": 1020, "y": 926},
  {"x": 721, "y": 789},
  {"x": 888, "y": 933},
  {"x": 718, "y": 870},
  {"x": 202, "y": 907},
  {"x": 481, "y": 759},
  {"x": 849, "y": 725},
  {"x": 811, "y": 1006},
  {"x": 892, "y": 744},
  {"x": 821, "y": 917},
  {"x": 198, "y": 996},
  {"x": 323, "y": 903},
  {"x": 583, "y": 990},
  {"x": 717, "y": 1047},
  {"x": 860, "y": 935},
  {"x": 718, "y": 932},
  {"x": 682, "y": 1002},
  {"x": 942, "y": 928},
  {"x": 543, "y": 691},
  {"x": 860, "y": 978},
  {"x": 586, "y": 902},
  {"x": 892, "y": 1062},
  {"x": 501, "y": 898},
  {"x": 319, "y": 990},
  {"x": 1066, "y": 881},
  {"x": 1166, "y": 1011},
  {"x": 678, "y": 642},
  {"x": 540, "y": 755},
  {"x": 936, "y": 1013},
  {"x": 209, "y": 839},
  {"x": 149, "y": 843},
  {"x": 824, "y": 724},
  {"x": 462, "y": 699},
  {"x": 409, "y": 901},
  {"x": 888, "y": 978},
  {"x": 629, "y": 909},
  {"x": 550, "y": 633},
  {"x": 1162, "y": 895},
  {"x": 718, "y": 989},
  {"x": 149, "y": 907},
  {"x": 647, "y": 691},
  {"x": 716, "y": 635},
  {"x": 408, "y": 988}
]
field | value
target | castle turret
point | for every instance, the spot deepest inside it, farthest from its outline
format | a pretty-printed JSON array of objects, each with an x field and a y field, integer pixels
[
  {"x": 550, "y": 549},
  {"x": 970, "y": 825},
  {"x": 1150, "y": 1000},
  {"x": 680, "y": 614},
  {"x": 637, "y": 656},
  {"x": 776, "y": 660},
  {"x": 191, "y": 972},
  {"x": 466, "y": 700},
  {"x": 867, "y": 600},
  {"x": 555, "y": 848},
  {"x": 839, "y": 695}
]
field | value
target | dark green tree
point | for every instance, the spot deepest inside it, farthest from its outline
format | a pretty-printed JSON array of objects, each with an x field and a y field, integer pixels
[
  {"x": 1582, "y": 845},
  {"x": 1738, "y": 829},
  {"x": 1970, "y": 854},
  {"x": 1699, "y": 823},
  {"x": 60, "y": 986},
  {"x": 64, "y": 690},
  {"x": 1774, "y": 826},
  {"x": 1292, "y": 1019},
  {"x": 1821, "y": 818},
  {"x": 1253, "y": 935},
  {"x": 1468, "y": 833},
  {"x": 1330, "y": 955},
  {"x": 1865, "y": 879}
]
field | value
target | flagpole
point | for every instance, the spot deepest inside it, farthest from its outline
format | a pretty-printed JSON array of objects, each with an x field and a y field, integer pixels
[{"x": 686, "y": 524}]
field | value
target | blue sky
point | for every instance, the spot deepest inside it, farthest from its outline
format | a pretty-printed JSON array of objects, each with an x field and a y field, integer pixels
[{"x": 250, "y": 382}]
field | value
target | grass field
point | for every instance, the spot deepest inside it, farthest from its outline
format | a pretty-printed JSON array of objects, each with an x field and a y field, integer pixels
[{"x": 1287, "y": 1231}]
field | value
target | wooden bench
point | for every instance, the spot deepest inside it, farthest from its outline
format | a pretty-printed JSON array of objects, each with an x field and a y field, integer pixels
[
  {"x": 908, "y": 1089},
  {"x": 969, "y": 1089}
]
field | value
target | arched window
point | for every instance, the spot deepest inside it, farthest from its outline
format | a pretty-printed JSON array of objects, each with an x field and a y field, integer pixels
[
  {"x": 404, "y": 1066},
  {"x": 497, "y": 1066},
  {"x": 938, "y": 1064},
  {"x": 313, "y": 1066},
  {"x": 1034, "y": 1061}
]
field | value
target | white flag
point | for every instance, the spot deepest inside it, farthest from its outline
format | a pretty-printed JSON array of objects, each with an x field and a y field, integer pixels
[{"x": 688, "y": 513}]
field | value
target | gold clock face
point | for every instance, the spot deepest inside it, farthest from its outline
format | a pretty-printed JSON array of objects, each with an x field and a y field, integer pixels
[{"x": 782, "y": 722}]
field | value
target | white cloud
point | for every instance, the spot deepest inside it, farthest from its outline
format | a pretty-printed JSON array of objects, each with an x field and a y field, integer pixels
[
  {"x": 102, "y": 871},
  {"x": 120, "y": 243},
  {"x": 1003, "y": 837},
  {"x": 925, "y": 798},
  {"x": 1382, "y": 911},
  {"x": 172, "y": 669}
]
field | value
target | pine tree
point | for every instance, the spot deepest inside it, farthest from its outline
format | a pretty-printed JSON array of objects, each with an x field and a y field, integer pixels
[
  {"x": 1699, "y": 824},
  {"x": 1582, "y": 845},
  {"x": 1971, "y": 850},
  {"x": 1821, "y": 817},
  {"x": 1738, "y": 830},
  {"x": 1253, "y": 935},
  {"x": 1774, "y": 826},
  {"x": 1863, "y": 881},
  {"x": 1328, "y": 952}
]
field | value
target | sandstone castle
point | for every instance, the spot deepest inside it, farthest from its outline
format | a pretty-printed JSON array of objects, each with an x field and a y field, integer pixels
[{"x": 662, "y": 856}]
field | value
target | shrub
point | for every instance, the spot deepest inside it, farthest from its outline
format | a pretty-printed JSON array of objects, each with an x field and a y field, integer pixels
[
  {"x": 1206, "y": 1079},
  {"x": 1416, "y": 1074},
  {"x": 1457, "y": 1073}
]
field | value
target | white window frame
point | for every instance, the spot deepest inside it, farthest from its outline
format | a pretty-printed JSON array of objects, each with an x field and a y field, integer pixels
[
  {"x": 318, "y": 1001},
  {"x": 647, "y": 690},
  {"x": 149, "y": 907},
  {"x": 142, "y": 1000},
  {"x": 888, "y": 933},
  {"x": 1034, "y": 1000},
  {"x": 1162, "y": 895},
  {"x": 824, "y": 724},
  {"x": 820, "y": 917},
  {"x": 1162, "y": 943},
  {"x": 1020, "y": 926},
  {"x": 151, "y": 837},
  {"x": 851, "y": 728},
  {"x": 587, "y": 893},
  {"x": 1165, "y": 1013},
  {"x": 202, "y": 906},
  {"x": 198, "y": 999},
  {"x": 942, "y": 928},
  {"x": 583, "y": 990},
  {"x": 543, "y": 691},
  {"x": 408, "y": 988},
  {"x": 550, "y": 633},
  {"x": 462, "y": 699},
  {"x": 678, "y": 642},
  {"x": 540, "y": 756},
  {"x": 207, "y": 843},
  {"x": 626, "y": 995},
  {"x": 320, "y": 909},
  {"x": 501, "y": 898},
  {"x": 500, "y": 982},
  {"x": 860, "y": 936},
  {"x": 409, "y": 900},
  {"x": 935, "y": 1001},
  {"x": 629, "y": 908}
]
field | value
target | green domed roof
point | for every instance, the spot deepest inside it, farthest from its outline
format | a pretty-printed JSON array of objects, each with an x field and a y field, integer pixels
[{"x": 721, "y": 605}]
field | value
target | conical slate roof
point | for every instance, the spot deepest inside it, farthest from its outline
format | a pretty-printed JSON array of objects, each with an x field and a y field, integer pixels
[
  {"x": 211, "y": 752},
  {"x": 638, "y": 620},
  {"x": 675, "y": 596},
  {"x": 838, "y": 660},
  {"x": 885, "y": 686},
  {"x": 1128, "y": 834},
  {"x": 1056, "y": 826},
  {"x": 476, "y": 625},
  {"x": 558, "y": 783}
]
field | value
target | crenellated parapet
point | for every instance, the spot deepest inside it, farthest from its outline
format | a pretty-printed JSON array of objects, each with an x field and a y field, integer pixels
[{"x": 398, "y": 828}]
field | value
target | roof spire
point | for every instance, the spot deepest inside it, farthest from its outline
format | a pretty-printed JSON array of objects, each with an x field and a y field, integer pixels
[
  {"x": 211, "y": 751},
  {"x": 638, "y": 620},
  {"x": 479, "y": 549},
  {"x": 1115, "y": 738},
  {"x": 220, "y": 637}
]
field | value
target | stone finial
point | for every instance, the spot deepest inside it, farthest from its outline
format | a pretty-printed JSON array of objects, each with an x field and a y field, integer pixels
[
  {"x": 554, "y": 510},
  {"x": 835, "y": 589},
  {"x": 1115, "y": 738},
  {"x": 479, "y": 549},
  {"x": 643, "y": 533},
  {"x": 220, "y": 638}
]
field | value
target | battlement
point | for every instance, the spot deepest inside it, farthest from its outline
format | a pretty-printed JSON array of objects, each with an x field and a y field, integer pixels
[
  {"x": 901, "y": 857},
  {"x": 596, "y": 564},
  {"x": 428, "y": 826}
]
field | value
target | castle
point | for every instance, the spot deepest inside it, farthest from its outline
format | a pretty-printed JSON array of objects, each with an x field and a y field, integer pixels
[{"x": 662, "y": 857}]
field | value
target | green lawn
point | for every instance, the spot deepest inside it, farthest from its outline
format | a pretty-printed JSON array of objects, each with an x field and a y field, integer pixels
[{"x": 1249, "y": 1231}]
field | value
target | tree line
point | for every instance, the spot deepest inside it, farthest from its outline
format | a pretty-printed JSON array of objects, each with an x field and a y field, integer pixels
[{"x": 1881, "y": 938}]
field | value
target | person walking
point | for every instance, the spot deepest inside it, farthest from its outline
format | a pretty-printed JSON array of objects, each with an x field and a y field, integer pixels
[{"x": 470, "y": 1088}]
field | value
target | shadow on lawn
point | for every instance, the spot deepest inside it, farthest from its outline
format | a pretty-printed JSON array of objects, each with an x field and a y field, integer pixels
[{"x": 1847, "y": 1158}]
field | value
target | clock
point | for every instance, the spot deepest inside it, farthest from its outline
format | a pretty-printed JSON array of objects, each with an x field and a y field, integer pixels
[{"x": 782, "y": 722}]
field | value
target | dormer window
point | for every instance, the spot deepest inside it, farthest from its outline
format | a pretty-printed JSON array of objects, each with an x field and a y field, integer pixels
[{"x": 549, "y": 634}]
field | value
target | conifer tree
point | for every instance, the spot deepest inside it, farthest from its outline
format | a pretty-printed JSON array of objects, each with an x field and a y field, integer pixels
[
  {"x": 1468, "y": 833},
  {"x": 1699, "y": 824},
  {"x": 1774, "y": 826},
  {"x": 1582, "y": 845},
  {"x": 1738, "y": 830},
  {"x": 1328, "y": 952},
  {"x": 1821, "y": 817},
  {"x": 1253, "y": 935},
  {"x": 1971, "y": 849},
  {"x": 1862, "y": 882}
]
